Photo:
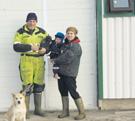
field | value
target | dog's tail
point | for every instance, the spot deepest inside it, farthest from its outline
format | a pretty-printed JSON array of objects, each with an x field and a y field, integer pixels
[
  {"x": 4, "y": 117},
  {"x": 4, "y": 120}
]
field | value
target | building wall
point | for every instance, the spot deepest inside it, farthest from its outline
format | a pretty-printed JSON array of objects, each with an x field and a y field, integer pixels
[
  {"x": 12, "y": 17},
  {"x": 82, "y": 14},
  {"x": 53, "y": 16},
  {"x": 118, "y": 57}
]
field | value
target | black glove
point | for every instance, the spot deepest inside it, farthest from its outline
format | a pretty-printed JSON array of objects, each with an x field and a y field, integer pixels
[
  {"x": 46, "y": 42},
  {"x": 48, "y": 38}
]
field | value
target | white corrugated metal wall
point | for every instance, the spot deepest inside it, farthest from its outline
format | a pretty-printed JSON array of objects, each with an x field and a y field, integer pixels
[
  {"x": 118, "y": 57},
  {"x": 56, "y": 16},
  {"x": 12, "y": 17},
  {"x": 82, "y": 14}
]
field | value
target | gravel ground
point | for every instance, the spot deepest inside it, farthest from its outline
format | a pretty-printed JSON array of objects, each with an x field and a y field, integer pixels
[{"x": 92, "y": 115}]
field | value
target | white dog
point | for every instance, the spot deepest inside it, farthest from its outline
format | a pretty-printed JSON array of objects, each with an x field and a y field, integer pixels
[{"x": 17, "y": 112}]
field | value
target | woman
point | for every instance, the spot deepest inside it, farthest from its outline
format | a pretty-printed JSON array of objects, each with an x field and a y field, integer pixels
[{"x": 68, "y": 62}]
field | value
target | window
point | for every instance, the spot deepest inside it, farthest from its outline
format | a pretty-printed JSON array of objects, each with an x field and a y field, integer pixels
[
  {"x": 120, "y": 5},
  {"x": 121, "y": 8}
]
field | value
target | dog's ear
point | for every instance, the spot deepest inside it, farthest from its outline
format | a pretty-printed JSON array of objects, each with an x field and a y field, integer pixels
[
  {"x": 13, "y": 95},
  {"x": 23, "y": 93}
]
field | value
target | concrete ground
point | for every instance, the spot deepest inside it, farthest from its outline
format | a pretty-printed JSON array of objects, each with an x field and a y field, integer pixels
[{"x": 92, "y": 115}]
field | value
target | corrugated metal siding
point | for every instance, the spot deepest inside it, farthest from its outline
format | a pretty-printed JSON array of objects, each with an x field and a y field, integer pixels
[
  {"x": 12, "y": 17},
  {"x": 56, "y": 16},
  {"x": 119, "y": 57},
  {"x": 82, "y": 14}
]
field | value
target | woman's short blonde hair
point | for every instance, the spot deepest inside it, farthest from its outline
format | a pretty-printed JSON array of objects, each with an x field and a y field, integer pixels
[{"x": 73, "y": 29}]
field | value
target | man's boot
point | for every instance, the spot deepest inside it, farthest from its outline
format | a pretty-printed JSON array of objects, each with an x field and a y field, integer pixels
[
  {"x": 65, "y": 107},
  {"x": 37, "y": 102},
  {"x": 80, "y": 107},
  {"x": 27, "y": 101}
]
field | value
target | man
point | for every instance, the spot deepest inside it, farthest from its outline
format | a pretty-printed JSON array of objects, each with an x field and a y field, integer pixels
[{"x": 27, "y": 42}]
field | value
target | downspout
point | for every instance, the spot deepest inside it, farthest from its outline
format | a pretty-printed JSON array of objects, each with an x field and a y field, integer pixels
[{"x": 99, "y": 50}]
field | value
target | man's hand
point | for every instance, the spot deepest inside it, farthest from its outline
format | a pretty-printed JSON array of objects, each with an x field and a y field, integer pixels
[
  {"x": 42, "y": 51},
  {"x": 35, "y": 47}
]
